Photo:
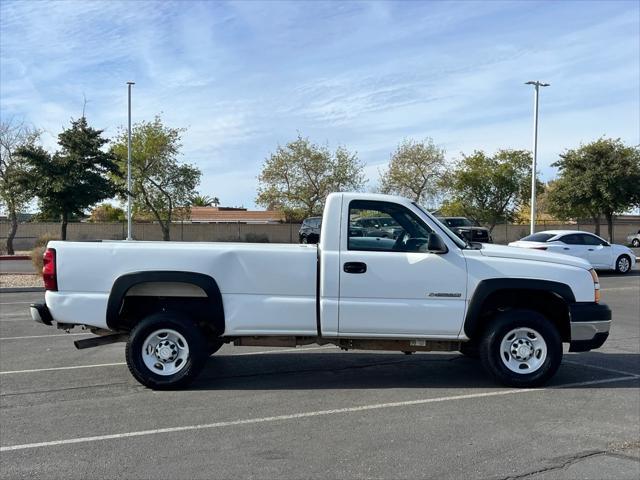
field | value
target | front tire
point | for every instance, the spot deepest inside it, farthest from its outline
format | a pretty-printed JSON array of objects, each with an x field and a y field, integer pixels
[
  {"x": 165, "y": 351},
  {"x": 521, "y": 348},
  {"x": 623, "y": 264}
]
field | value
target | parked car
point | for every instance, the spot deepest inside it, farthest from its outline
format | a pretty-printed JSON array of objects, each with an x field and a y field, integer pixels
[
  {"x": 312, "y": 226},
  {"x": 597, "y": 251},
  {"x": 634, "y": 240},
  {"x": 382, "y": 227},
  {"x": 176, "y": 303},
  {"x": 310, "y": 230},
  {"x": 467, "y": 229}
]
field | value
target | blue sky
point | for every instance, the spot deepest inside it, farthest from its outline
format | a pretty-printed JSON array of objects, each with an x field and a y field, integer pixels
[{"x": 246, "y": 76}]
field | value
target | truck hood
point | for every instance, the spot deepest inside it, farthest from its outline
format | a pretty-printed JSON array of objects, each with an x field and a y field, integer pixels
[{"x": 502, "y": 251}]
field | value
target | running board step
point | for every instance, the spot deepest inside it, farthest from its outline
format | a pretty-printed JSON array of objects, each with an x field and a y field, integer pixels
[{"x": 102, "y": 340}]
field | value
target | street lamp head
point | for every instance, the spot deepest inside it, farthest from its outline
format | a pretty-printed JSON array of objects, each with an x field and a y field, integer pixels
[
  {"x": 131, "y": 83},
  {"x": 538, "y": 83}
]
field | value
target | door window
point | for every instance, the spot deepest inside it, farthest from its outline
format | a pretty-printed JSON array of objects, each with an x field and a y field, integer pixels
[
  {"x": 591, "y": 240},
  {"x": 385, "y": 227}
]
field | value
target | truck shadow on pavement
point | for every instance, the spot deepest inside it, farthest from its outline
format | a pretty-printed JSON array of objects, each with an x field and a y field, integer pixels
[{"x": 337, "y": 371}]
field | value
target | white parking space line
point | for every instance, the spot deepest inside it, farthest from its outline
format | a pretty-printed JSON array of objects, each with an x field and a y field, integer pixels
[
  {"x": 636, "y": 288},
  {"x": 44, "y": 336},
  {"x": 604, "y": 369},
  {"x": 75, "y": 367},
  {"x": 294, "y": 416},
  {"x": 16, "y": 303},
  {"x": 53, "y": 369}
]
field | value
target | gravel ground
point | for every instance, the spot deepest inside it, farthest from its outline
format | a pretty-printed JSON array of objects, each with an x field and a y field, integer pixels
[{"x": 20, "y": 280}]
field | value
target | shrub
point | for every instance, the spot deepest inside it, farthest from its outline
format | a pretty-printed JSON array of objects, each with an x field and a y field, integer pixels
[{"x": 38, "y": 250}]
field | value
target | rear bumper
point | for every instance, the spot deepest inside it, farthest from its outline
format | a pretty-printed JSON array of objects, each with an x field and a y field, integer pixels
[
  {"x": 40, "y": 313},
  {"x": 590, "y": 325}
]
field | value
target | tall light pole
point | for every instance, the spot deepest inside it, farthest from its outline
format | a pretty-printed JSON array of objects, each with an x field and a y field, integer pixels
[
  {"x": 537, "y": 84},
  {"x": 129, "y": 237}
]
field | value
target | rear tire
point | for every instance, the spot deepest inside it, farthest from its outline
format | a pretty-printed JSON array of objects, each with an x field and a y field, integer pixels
[
  {"x": 623, "y": 264},
  {"x": 521, "y": 348},
  {"x": 166, "y": 351},
  {"x": 635, "y": 243}
]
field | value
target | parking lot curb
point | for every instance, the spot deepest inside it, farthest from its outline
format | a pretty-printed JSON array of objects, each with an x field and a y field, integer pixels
[{"x": 21, "y": 289}]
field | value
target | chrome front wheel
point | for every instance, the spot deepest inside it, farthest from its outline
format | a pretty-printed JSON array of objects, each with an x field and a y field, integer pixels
[{"x": 523, "y": 350}]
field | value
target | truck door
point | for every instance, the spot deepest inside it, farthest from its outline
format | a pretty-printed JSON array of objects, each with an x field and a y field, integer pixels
[{"x": 388, "y": 287}]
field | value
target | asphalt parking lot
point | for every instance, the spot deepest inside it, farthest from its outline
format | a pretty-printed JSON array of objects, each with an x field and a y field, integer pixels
[{"x": 316, "y": 412}]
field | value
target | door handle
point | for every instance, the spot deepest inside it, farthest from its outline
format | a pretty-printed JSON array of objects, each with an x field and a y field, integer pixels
[
  {"x": 355, "y": 267},
  {"x": 566, "y": 248},
  {"x": 591, "y": 249}
]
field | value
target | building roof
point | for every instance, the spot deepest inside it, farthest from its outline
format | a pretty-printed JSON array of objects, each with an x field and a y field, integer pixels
[{"x": 223, "y": 215}]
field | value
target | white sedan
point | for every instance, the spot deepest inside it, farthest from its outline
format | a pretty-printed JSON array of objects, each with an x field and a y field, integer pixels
[
  {"x": 600, "y": 253},
  {"x": 634, "y": 239}
]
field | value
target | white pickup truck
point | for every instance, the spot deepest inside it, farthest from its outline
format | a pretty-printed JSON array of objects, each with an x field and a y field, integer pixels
[{"x": 424, "y": 290}]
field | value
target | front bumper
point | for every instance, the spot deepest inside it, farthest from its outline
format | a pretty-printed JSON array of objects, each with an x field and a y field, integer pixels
[
  {"x": 590, "y": 325},
  {"x": 40, "y": 313}
]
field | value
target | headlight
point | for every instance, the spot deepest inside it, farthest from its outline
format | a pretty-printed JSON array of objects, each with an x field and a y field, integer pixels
[{"x": 596, "y": 285}]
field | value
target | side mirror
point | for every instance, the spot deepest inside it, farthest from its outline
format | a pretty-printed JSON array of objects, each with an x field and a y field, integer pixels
[{"x": 434, "y": 244}]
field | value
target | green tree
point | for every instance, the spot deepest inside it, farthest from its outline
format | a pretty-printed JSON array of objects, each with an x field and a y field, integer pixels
[
  {"x": 14, "y": 196},
  {"x": 414, "y": 171},
  {"x": 601, "y": 177},
  {"x": 488, "y": 189},
  {"x": 107, "y": 213},
  {"x": 298, "y": 177},
  {"x": 160, "y": 184},
  {"x": 204, "y": 201},
  {"x": 559, "y": 201},
  {"x": 77, "y": 176}
]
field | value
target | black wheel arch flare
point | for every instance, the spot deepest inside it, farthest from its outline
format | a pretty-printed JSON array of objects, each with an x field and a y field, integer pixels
[
  {"x": 124, "y": 283},
  {"x": 485, "y": 288}
]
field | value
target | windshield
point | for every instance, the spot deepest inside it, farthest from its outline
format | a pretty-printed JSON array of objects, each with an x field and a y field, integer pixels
[{"x": 456, "y": 239}]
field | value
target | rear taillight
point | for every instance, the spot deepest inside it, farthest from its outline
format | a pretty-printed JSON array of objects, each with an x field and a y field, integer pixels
[{"x": 49, "y": 270}]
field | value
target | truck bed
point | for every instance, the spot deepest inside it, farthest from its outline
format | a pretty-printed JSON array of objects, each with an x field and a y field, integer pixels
[{"x": 261, "y": 284}]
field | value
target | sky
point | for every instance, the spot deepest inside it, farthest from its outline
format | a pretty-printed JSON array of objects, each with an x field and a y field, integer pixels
[{"x": 246, "y": 76}]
